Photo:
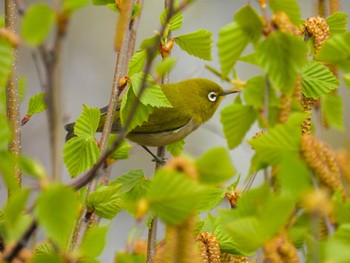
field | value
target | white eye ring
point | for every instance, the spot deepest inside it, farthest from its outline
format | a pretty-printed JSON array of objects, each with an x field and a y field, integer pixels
[{"x": 212, "y": 96}]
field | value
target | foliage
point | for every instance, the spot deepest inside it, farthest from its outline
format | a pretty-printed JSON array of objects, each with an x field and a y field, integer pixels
[{"x": 296, "y": 95}]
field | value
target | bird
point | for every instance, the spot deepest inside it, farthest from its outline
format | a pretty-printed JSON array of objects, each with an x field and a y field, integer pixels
[{"x": 194, "y": 101}]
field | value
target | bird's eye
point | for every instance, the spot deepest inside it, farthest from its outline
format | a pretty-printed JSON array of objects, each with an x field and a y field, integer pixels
[{"x": 212, "y": 96}]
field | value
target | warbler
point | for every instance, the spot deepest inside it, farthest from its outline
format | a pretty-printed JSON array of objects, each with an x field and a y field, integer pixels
[{"x": 194, "y": 101}]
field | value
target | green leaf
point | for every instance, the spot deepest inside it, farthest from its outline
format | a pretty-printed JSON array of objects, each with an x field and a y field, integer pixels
[
  {"x": 335, "y": 249},
  {"x": 317, "y": 80},
  {"x": 15, "y": 207},
  {"x": 211, "y": 200},
  {"x": 336, "y": 50},
  {"x": 175, "y": 21},
  {"x": 175, "y": 149},
  {"x": 250, "y": 22},
  {"x": 254, "y": 92},
  {"x": 87, "y": 123},
  {"x": 37, "y": 23},
  {"x": 73, "y": 5},
  {"x": 44, "y": 248},
  {"x": 215, "y": 166},
  {"x": 332, "y": 111},
  {"x": 233, "y": 115},
  {"x": 36, "y": 104},
  {"x": 142, "y": 112},
  {"x": 6, "y": 61},
  {"x": 7, "y": 171},
  {"x": 173, "y": 196},
  {"x": 43, "y": 258},
  {"x": 5, "y": 132},
  {"x": 136, "y": 62},
  {"x": 105, "y": 202},
  {"x": 337, "y": 22},
  {"x": 103, "y": 2},
  {"x": 93, "y": 242},
  {"x": 123, "y": 257},
  {"x": 280, "y": 141},
  {"x": 56, "y": 210},
  {"x": 122, "y": 152},
  {"x": 165, "y": 66},
  {"x": 197, "y": 43},
  {"x": 346, "y": 78},
  {"x": 290, "y": 7},
  {"x": 152, "y": 95},
  {"x": 232, "y": 41},
  {"x": 282, "y": 56},
  {"x": 251, "y": 58},
  {"x": 80, "y": 154},
  {"x": 341, "y": 209}
]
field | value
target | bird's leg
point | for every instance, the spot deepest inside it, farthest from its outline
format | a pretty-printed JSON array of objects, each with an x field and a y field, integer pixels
[{"x": 156, "y": 158}]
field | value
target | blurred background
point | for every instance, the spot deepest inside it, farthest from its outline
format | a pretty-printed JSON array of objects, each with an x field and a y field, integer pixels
[{"x": 88, "y": 63}]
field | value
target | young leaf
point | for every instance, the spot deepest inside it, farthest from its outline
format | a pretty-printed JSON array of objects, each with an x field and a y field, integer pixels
[
  {"x": 280, "y": 141},
  {"x": 332, "y": 111},
  {"x": 282, "y": 57},
  {"x": 173, "y": 196},
  {"x": 136, "y": 62},
  {"x": 93, "y": 242},
  {"x": 122, "y": 152},
  {"x": 335, "y": 248},
  {"x": 197, "y": 43},
  {"x": 152, "y": 95},
  {"x": 6, "y": 60},
  {"x": 215, "y": 166},
  {"x": 337, "y": 22},
  {"x": 73, "y": 5},
  {"x": 37, "y": 23},
  {"x": 175, "y": 149},
  {"x": 123, "y": 257},
  {"x": 317, "y": 80},
  {"x": 251, "y": 58},
  {"x": 250, "y": 22},
  {"x": 87, "y": 123},
  {"x": 232, "y": 41},
  {"x": 103, "y": 2},
  {"x": 105, "y": 202},
  {"x": 231, "y": 116},
  {"x": 212, "y": 199},
  {"x": 36, "y": 104},
  {"x": 56, "y": 211},
  {"x": 290, "y": 7},
  {"x": 254, "y": 92},
  {"x": 32, "y": 167},
  {"x": 80, "y": 154},
  {"x": 7, "y": 172},
  {"x": 15, "y": 207},
  {"x": 175, "y": 21},
  {"x": 43, "y": 258},
  {"x": 5, "y": 132},
  {"x": 346, "y": 78},
  {"x": 165, "y": 66}
]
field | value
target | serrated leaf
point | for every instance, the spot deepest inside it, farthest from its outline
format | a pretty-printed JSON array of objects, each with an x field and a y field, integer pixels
[
  {"x": 332, "y": 111},
  {"x": 53, "y": 258},
  {"x": 336, "y": 50},
  {"x": 251, "y": 58},
  {"x": 105, "y": 202},
  {"x": 37, "y": 23},
  {"x": 93, "y": 242},
  {"x": 56, "y": 211},
  {"x": 73, "y": 5},
  {"x": 165, "y": 66},
  {"x": 153, "y": 95},
  {"x": 280, "y": 141},
  {"x": 232, "y": 41},
  {"x": 212, "y": 199},
  {"x": 122, "y": 152},
  {"x": 175, "y": 149},
  {"x": 175, "y": 21},
  {"x": 80, "y": 154},
  {"x": 142, "y": 112},
  {"x": 282, "y": 57},
  {"x": 136, "y": 62},
  {"x": 197, "y": 43},
  {"x": 5, "y": 132},
  {"x": 232, "y": 115},
  {"x": 87, "y": 123},
  {"x": 173, "y": 196},
  {"x": 290, "y": 7},
  {"x": 250, "y": 22},
  {"x": 215, "y": 166},
  {"x": 36, "y": 104},
  {"x": 6, "y": 60},
  {"x": 337, "y": 22},
  {"x": 254, "y": 92},
  {"x": 317, "y": 80},
  {"x": 15, "y": 207}
]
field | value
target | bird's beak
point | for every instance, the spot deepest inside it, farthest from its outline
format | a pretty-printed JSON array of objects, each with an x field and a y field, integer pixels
[{"x": 226, "y": 92}]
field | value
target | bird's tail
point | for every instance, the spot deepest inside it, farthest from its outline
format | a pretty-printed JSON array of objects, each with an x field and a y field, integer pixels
[{"x": 70, "y": 130}]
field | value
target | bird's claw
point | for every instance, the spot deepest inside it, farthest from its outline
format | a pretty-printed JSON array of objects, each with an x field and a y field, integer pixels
[{"x": 159, "y": 160}]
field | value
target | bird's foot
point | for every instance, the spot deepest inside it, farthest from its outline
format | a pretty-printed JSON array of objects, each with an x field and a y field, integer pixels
[{"x": 157, "y": 159}]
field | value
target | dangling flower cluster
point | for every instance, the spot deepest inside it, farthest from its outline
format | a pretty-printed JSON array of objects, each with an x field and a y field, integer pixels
[
  {"x": 306, "y": 104},
  {"x": 322, "y": 160},
  {"x": 281, "y": 21},
  {"x": 279, "y": 249},
  {"x": 229, "y": 258},
  {"x": 319, "y": 29},
  {"x": 284, "y": 108},
  {"x": 334, "y": 6},
  {"x": 343, "y": 159},
  {"x": 209, "y": 248}
]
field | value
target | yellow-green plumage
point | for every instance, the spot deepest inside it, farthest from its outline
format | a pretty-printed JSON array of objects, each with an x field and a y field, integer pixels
[{"x": 191, "y": 108}]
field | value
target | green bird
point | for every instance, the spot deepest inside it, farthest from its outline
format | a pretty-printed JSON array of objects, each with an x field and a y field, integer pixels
[{"x": 194, "y": 101}]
